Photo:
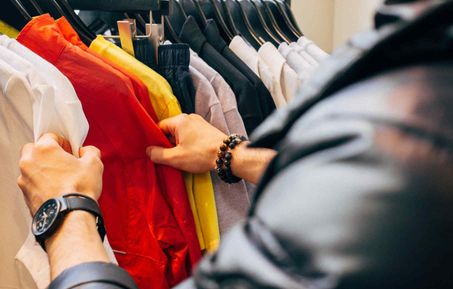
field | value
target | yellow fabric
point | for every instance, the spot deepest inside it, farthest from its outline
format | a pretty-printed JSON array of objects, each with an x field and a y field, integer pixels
[
  {"x": 8, "y": 30},
  {"x": 165, "y": 104},
  {"x": 207, "y": 211},
  {"x": 199, "y": 186}
]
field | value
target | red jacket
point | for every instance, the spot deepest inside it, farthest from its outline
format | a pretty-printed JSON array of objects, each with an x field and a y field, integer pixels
[{"x": 147, "y": 213}]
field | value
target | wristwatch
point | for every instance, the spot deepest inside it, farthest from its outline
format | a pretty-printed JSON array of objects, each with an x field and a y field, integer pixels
[{"x": 51, "y": 215}]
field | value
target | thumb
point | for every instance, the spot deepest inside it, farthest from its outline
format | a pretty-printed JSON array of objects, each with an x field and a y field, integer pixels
[
  {"x": 164, "y": 156},
  {"x": 89, "y": 152}
]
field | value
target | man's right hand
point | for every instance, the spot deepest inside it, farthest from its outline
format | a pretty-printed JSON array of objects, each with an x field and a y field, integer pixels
[{"x": 49, "y": 170}]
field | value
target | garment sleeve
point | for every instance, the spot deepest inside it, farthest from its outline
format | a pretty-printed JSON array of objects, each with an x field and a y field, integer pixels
[
  {"x": 348, "y": 208},
  {"x": 95, "y": 275}
]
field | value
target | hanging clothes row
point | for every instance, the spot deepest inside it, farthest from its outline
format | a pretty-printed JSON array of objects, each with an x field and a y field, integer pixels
[{"x": 231, "y": 62}]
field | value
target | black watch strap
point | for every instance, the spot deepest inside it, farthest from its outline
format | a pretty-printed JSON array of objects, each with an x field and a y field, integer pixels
[
  {"x": 83, "y": 203},
  {"x": 94, "y": 275},
  {"x": 77, "y": 202}
]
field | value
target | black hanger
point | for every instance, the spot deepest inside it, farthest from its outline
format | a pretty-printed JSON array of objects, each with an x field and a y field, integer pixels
[
  {"x": 191, "y": 8},
  {"x": 286, "y": 9},
  {"x": 74, "y": 19},
  {"x": 258, "y": 24},
  {"x": 21, "y": 9},
  {"x": 212, "y": 11},
  {"x": 12, "y": 16},
  {"x": 269, "y": 18},
  {"x": 239, "y": 19},
  {"x": 176, "y": 17},
  {"x": 57, "y": 11},
  {"x": 282, "y": 20},
  {"x": 227, "y": 17},
  {"x": 33, "y": 4}
]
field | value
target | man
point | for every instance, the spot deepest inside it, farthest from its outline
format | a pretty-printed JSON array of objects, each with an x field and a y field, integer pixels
[{"x": 358, "y": 195}]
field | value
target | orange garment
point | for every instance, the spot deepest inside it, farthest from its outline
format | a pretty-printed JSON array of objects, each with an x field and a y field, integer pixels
[
  {"x": 145, "y": 206},
  {"x": 140, "y": 88}
]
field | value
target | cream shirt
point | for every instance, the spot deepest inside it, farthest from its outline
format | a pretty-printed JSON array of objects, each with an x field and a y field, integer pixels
[
  {"x": 311, "y": 48},
  {"x": 254, "y": 61},
  {"x": 32, "y": 104},
  {"x": 287, "y": 78}
]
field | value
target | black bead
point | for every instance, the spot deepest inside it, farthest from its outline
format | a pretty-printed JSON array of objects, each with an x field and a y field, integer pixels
[
  {"x": 224, "y": 147},
  {"x": 221, "y": 154},
  {"x": 219, "y": 162},
  {"x": 228, "y": 156},
  {"x": 227, "y": 164},
  {"x": 232, "y": 145}
]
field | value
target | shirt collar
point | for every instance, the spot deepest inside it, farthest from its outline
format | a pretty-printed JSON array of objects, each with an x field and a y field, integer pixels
[
  {"x": 192, "y": 34},
  {"x": 213, "y": 35}
]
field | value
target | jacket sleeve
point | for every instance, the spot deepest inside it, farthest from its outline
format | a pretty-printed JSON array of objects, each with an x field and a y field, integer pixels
[
  {"x": 358, "y": 197},
  {"x": 95, "y": 275}
]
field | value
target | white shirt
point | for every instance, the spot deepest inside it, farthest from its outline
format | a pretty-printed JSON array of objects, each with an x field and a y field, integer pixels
[
  {"x": 299, "y": 50},
  {"x": 254, "y": 61},
  {"x": 35, "y": 98},
  {"x": 302, "y": 67},
  {"x": 311, "y": 48},
  {"x": 281, "y": 71}
]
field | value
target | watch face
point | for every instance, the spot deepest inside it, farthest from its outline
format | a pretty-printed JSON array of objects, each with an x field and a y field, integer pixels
[{"x": 45, "y": 216}]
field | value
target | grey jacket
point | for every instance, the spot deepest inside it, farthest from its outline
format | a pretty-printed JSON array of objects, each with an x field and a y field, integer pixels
[{"x": 360, "y": 193}]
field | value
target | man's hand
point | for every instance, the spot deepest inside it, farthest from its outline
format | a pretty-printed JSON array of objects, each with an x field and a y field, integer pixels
[
  {"x": 197, "y": 143},
  {"x": 49, "y": 170}
]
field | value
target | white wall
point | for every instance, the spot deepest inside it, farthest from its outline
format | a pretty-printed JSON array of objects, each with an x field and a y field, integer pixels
[
  {"x": 330, "y": 23},
  {"x": 315, "y": 18},
  {"x": 351, "y": 17}
]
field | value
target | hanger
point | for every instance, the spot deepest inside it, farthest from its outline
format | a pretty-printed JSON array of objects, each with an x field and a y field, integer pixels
[
  {"x": 285, "y": 6},
  {"x": 254, "y": 16},
  {"x": 212, "y": 11},
  {"x": 193, "y": 9},
  {"x": 282, "y": 20},
  {"x": 21, "y": 9},
  {"x": 177, "y": 17},
  {"x": 270, "y": 20},
  {"x": 239, "y": 19},
  {"x": 287, "y": 18},
  {"x": 225, "y": 12},
  {"x": 74, "y": 19}
]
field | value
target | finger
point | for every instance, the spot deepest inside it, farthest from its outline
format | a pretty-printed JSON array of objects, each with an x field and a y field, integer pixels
[
  {"x": 52, "y": 139},
  {"x": 169, "y": 125},
  {"x": 26, "y": 150},
  {"x": 164, "y": 156},
  {"x": 89, "y": 152}
]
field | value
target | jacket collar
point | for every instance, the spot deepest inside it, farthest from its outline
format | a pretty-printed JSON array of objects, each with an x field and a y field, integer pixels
[{"x": 192, "y": 34}]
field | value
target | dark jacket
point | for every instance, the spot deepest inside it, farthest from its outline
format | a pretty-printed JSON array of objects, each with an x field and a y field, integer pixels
[{"x": 360, "y": 193}]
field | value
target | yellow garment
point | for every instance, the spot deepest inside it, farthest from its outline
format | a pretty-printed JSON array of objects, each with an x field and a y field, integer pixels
[
  {"x": 199, "y": 186},
  {"x": 8, "y": 30}
]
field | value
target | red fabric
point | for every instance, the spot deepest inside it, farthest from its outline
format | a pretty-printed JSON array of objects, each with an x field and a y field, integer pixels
[
  {"x": 140, "y": 199},
  {"x": 140, "y": 89}
]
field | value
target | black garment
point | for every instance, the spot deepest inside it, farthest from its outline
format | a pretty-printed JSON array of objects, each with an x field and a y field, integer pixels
[
  {"x": 359, "y": 195},
  {"x": 144, "y": 52},
  {"x": 213, "y": 35},
  {"x": 174, "y": 60},
  {"x": 96, "y": 275},
  {"x": 247, "y": 98}
]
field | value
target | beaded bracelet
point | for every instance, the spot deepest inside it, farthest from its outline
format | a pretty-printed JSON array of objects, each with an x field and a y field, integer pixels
[{"x": 225, "y": 157}]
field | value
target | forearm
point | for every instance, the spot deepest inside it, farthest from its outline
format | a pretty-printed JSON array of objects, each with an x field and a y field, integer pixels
[
  {"x": 250, "y": 163},
  {"x": 77, "y": 241}
]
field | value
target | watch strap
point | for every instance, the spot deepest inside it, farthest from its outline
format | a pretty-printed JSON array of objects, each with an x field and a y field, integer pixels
[{"x": 82, "y": 203}]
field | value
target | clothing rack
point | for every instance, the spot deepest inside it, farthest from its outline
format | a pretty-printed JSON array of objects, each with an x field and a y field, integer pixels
[{"x": 115, "y": 5}]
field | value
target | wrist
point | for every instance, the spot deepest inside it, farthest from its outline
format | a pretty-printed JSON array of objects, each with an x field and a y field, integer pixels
[
  {"x": 75, "y": 224},
  {"x": 225, "y": 158},
  {"x": 79, "y": 232}
]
